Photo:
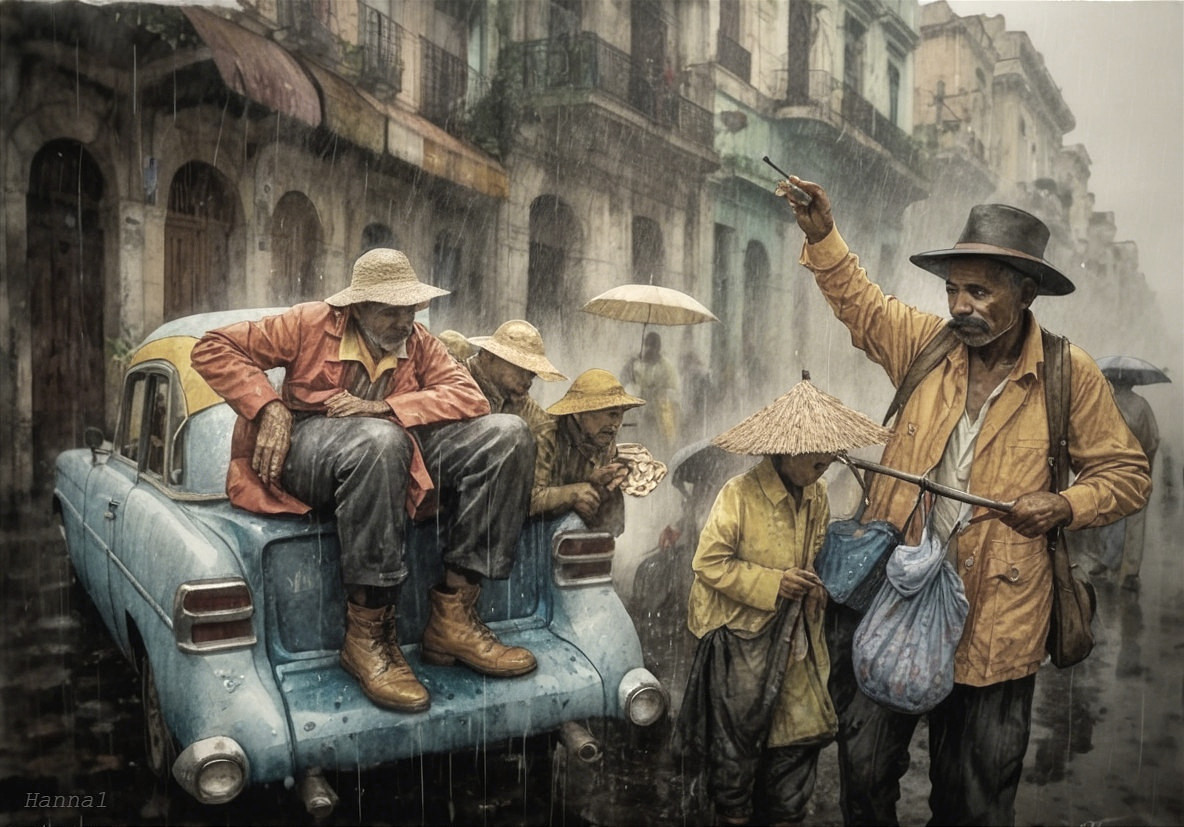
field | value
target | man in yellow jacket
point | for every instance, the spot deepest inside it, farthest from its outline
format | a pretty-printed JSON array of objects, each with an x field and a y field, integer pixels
[{"x": 976, "y": 422}]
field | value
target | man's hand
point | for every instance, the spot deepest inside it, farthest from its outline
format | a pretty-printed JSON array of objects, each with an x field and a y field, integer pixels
[
  {"x": 584, "y": 499},
  {"x": 796, "y": 583},
  {"x": 273, "y": 442},
  {"x": 610, "y": 476},
  {"x": 346, "y": 404},
  {"x": 1035, "y": 514},
  {"x": 815, "y": 219}
]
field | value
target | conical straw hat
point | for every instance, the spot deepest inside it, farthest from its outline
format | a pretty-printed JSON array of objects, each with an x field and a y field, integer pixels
[{"x": 803, "y": 421}]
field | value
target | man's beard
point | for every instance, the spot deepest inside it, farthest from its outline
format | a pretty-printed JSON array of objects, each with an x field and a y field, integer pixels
[
  {"x": 388, "y": 343},
  {"x": 974, "y": 332}
]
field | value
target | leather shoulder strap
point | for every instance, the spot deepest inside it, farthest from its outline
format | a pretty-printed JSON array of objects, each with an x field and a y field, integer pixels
[
  {"x": 1057, "y": 391},
  {"x": 925, "y": 361}
]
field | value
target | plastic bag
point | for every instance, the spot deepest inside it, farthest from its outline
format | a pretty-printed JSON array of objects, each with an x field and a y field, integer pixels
[{"x": 903, "y": 650}]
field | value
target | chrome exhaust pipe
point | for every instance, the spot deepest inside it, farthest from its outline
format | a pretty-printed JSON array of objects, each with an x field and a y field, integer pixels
[
  {"x": 316, "y": 794},
  {"x": 580, "y": 742}
]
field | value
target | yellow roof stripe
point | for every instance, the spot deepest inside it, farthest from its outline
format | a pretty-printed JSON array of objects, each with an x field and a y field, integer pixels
[{"x": 175, "y": 350}]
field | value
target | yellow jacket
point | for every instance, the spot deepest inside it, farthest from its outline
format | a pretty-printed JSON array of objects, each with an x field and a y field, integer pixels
[
  {"x": 1008, "y": 577},
  {"x": 754, "y": 533}
]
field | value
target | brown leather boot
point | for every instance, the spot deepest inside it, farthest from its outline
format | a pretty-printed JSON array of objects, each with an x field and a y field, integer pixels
[
  {"x": 371, "y": 654},
  {"x": 454, "y": 632}
]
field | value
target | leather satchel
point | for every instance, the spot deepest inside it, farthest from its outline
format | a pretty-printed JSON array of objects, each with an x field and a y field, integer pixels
[{"x": 1070, "y": 632}]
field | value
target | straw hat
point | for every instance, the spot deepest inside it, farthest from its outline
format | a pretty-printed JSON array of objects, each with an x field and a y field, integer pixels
[
  {"x": 457, "y": 344},
  {"x": 594, "y": 390},
  {"x": 803, "y": 421},
  {"x": 520, "y": 343},
  {"x": 1007, "y": 234},
  {"x": 385, "y": 275}
]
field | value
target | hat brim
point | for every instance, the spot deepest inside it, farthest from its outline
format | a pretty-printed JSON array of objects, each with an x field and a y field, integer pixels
[
  {"x": 540, "y": 366},
  {"x": 1049, "y": 280},
  {"x": 600, "y": 402},
  {"x": 399, "y": 296}
]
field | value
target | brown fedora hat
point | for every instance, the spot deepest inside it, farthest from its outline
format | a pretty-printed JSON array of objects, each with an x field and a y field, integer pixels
[
  {"x": 1006, "y": 234},
  {"x": 385, "y": 275}
]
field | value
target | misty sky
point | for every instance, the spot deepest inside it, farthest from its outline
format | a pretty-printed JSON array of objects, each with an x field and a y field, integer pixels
[{"x": 1120, "y": 66}]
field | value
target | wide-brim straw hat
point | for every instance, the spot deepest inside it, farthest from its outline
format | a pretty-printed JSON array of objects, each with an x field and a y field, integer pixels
[
  {"x": 594, "y": 390},
  {"x": 803, "y": 421},
  {"x": 521, "y": 344},
  {"x": 384, "y": 275},
  {"x": 1003, "y": 233}
]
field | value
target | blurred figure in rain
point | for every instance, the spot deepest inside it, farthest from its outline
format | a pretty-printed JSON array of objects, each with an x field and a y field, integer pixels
[
  {"x": 370, "y": 402},
  {"x": 505, "y": 365},
  {"x": 696, "y": 393},
  {"x": 653, "y": 377},
  {"x": 977, "y": 421},
  {"x": 757, "y": 706},
  {"x": 577, "y": 468},
  {"x": 1122, "y": 542},
  {"x": 458, "y": 346}
]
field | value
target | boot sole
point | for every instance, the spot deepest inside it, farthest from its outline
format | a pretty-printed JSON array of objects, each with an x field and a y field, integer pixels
[
  {"x": 444, "y": 659},
  {"x": 385, "y": 704}
]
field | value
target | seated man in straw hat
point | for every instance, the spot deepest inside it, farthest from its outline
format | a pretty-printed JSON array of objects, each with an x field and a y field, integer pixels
[
  {"x": 504, "y": 367},
  {"x": 370, "y": 402},
  {"x": 757, "y": 707},
  {"x": 577, "y": 467}
]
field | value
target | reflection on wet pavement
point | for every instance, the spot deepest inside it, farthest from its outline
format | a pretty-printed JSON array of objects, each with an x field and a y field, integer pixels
[{"x": 1104, "y": 746}]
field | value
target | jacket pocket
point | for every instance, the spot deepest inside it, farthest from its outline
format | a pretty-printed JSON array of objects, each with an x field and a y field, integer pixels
[{"x": 1017, "y": 591}]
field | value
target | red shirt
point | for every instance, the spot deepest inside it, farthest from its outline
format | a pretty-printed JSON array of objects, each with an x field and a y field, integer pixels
[{"x": 428, "y": 386}]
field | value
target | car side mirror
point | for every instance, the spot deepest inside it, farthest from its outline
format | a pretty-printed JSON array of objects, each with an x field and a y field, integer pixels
[{"x": 94, "y": 439}]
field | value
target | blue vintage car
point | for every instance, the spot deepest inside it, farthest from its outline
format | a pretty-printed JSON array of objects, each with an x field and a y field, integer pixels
[{"x": 234, "y": 620}]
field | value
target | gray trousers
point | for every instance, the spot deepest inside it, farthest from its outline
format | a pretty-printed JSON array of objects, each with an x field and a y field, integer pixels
[
  {"x": 977, "y": 739},
  {"x": 357, "y": 468}
]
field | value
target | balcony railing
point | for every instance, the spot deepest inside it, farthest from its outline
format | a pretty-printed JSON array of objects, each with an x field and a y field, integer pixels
[
  {"x": 381, "y": 41},
  {"x": 444, "y": 86},
  {"x": 588, "y": 62},
  {"x": 733, "y": 57},
  {"x": 833, "y": 98}
]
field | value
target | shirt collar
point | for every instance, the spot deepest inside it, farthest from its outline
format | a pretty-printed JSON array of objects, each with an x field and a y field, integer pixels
[
  {"x": 354, "y": 349},
  {"x": 1032, "y": 353},
  {"x": 774, "y": 489}
]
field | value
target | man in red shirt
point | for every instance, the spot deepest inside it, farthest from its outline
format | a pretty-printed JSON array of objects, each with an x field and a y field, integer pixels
[{"x": 370, "y": 401}]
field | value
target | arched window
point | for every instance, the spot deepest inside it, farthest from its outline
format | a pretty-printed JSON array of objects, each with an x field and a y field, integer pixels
[
  {"x": 649, "y": 253},
  {"x": 554, "y": 236},
  {"x": 296, "y": 251},
  {"x": 66, "y": 296},
  {"x": 197, "y": 241}
]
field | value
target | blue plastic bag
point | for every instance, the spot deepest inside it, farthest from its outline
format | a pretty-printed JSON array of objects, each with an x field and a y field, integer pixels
[{"x": 903, "y": 650}]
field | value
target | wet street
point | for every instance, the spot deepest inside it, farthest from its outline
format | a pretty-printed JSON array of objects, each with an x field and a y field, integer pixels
[{"x": 1105, "y": 747}]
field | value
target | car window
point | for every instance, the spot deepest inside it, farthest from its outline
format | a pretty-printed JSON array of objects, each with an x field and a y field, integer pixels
[
  {"x": 127, "y": 440},
  {"x": 153, "y": 418}
]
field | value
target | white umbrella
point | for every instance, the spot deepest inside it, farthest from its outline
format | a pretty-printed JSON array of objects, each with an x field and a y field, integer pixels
[
  {"x": 1129, "y": 370},
  {"x": 649, "y": 304}
]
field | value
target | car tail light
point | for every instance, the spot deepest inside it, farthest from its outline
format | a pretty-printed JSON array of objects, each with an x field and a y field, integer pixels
[
  {"x": 213, "y": 615},
  {"x": 582, "y": 558}
]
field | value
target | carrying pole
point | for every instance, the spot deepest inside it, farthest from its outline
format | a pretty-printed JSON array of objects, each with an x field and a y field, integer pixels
[{"x": 926, "y": 484}]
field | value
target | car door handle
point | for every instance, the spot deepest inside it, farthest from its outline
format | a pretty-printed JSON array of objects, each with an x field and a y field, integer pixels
[{"x": 109, "y": 514}]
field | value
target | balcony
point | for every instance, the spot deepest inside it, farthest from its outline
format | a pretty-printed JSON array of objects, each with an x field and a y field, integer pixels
[
  {"x": 588, "y": 62},
  {"x": 381, "y": 42},
  {"x": 447, "y": 87},
  {"x": 733, "y": 57},
  {"x": 835, "y": 102}
]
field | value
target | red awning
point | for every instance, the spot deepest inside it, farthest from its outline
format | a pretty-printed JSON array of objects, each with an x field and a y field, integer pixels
[{"x": 258, "y": 68}]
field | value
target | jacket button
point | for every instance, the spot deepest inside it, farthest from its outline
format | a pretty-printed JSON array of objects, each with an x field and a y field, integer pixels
[
  {"x": 969, "y": 562},
  {"x": 1014, "y": 574}
]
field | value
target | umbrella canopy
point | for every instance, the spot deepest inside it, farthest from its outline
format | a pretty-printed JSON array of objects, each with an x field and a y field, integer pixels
[
  {"x": 1128, "y": 370},
  {"x": 803, "y": 421},
  {"x": 649, "y": 304}
]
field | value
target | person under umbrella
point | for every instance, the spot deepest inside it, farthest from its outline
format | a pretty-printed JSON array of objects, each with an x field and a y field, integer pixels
[{"x": 757, "y": 706}]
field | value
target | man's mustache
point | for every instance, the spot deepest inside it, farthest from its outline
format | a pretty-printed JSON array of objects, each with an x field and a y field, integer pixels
[{"x": 968, "y": 323}]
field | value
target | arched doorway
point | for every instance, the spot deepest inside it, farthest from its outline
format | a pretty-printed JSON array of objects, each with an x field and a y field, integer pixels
[
  {"x": 197, "y": 241},
  {"x": 66, "y": 286},
  {"x": 296, "y": 251},
  {"x": 554, "y": 236}
]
